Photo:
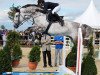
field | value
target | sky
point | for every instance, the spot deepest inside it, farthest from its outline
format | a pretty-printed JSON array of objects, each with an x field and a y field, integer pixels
[{"x": 70, "y": 8}]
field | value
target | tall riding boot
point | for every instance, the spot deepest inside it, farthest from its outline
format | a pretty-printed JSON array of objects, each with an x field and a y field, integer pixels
[{"x": 60, "y": 19}]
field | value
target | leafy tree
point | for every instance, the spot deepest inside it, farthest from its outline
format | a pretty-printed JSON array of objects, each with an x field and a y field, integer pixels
[
  {"x": 2, "y": 27},
  {"x": 12, "y": 12}
]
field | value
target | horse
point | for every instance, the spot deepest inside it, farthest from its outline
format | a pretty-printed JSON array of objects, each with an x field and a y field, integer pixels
[{"x": 69, "y": 29}]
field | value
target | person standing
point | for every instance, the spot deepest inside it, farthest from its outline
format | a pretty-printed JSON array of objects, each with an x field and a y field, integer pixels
[
  {"x": 33, "y": 37},
  {"x": 46, "y": 49},
  {"x": 58, "y": 39},
  {"x": 4, "y": 37},
  {"x": 29, "y": 40}
]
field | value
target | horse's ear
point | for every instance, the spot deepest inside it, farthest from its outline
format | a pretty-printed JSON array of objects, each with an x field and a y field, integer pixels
[{"x": 19, "y": 7}]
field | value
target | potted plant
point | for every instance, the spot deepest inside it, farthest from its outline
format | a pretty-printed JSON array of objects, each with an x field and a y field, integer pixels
[
  {"x": 88, "y": 64},
  {"x": 71, "y": 58},
  {"x": 16, "y": 55},
  {"x": 34, "y": 57},
  {"x": 13, "y": 42}
]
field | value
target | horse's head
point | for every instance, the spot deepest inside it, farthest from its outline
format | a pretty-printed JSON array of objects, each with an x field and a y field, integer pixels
[
  {"x": 23, "y": 14},
  {"x": 16, "y": 17}
]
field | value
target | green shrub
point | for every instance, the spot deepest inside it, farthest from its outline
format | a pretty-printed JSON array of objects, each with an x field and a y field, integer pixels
[
  {"x": 88, "y": 64},
  {"x": 5, "y": 62},
  {"x": 13, "y": 38},
  {"x": 16, "y": 52},
  {"x": 34, "y": 55},
  {"x": 71, "y": 60},
  {"x": 13, "y": 42},
  {"x": 7, "y": 48},
  {"x": 71, "y": 57},
  {"x": 90, "y": 46}
]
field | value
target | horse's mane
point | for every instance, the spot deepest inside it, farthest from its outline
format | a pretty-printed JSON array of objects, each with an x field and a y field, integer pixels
[
  {"x": 16, "y": 9},
  {"x": 28, "y": 5}
]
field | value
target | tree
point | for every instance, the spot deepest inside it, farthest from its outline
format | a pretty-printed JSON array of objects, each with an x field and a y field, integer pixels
[
  {"x": 12, "y": 12},
  {"x": 2, "y": 27}
]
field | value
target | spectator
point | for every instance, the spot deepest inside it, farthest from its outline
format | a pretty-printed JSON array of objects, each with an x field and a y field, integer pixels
[
  {"x": 29, "y": 40},
  {"x": 0, "y": 37},
  {"x": 33, "y": 38},
  {"x": 58, "y": 48},
  {"x": 4, "y": 37},
  {"x": 45, "y": 41}
]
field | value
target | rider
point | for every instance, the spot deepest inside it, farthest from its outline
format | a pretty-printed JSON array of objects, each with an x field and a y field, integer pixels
[{"x": 54, "y": 7}]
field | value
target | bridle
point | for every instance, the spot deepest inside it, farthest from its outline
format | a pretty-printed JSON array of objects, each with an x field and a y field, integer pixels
[
  {"x": 27, "y": 19},
  {"x": 24, "y": 19}
]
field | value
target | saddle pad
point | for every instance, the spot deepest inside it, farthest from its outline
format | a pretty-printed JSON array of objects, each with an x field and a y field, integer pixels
[{"x": 52, "y": 18}]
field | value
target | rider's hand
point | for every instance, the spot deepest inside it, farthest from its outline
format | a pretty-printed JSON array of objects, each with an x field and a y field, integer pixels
[{"x": 44, "y": 12}]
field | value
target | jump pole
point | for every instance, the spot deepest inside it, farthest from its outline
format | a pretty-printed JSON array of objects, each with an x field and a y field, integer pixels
[{"x": 79, "y": 52}]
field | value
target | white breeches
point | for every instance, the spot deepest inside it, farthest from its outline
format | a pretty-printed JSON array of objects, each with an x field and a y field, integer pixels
[
  {"x": 4, "y": 43},
  {"x": 56, "y": 9}
]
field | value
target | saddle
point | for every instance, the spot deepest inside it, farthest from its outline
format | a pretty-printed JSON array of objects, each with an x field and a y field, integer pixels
[{"x": 53, "y": 17}]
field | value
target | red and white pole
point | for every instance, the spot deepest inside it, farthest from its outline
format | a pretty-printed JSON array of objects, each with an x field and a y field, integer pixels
[{"x": 79, "y": 52}]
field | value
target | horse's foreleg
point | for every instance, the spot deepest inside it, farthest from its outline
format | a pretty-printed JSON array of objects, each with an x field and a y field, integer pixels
[{"x": 48, "y": 27}]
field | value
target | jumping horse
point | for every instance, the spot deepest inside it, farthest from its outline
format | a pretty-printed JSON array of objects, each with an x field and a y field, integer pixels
[{"x": 39, "y": 19}]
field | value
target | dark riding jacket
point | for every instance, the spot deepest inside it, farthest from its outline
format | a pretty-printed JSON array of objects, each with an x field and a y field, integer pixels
[{"x": 49, "y": 5}]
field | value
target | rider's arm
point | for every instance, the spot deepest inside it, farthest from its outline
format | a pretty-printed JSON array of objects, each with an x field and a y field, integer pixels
[{"x": 45, "y": 7}]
